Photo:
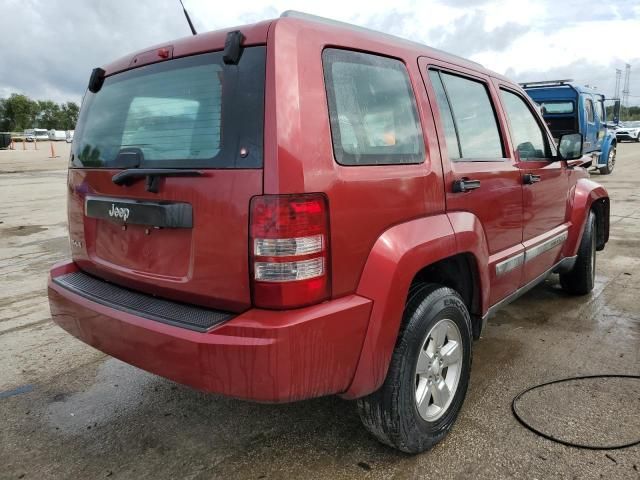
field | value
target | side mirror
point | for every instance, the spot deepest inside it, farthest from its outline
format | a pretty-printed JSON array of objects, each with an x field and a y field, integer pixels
[
  {"x": 570, "y": 146},
  {"x": 616, "y": 111}
]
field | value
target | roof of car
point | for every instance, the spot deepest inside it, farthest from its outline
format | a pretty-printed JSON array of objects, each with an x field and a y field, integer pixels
[
  {"x": 256, "y": 33},
  {"x": 391, "y": 39}
]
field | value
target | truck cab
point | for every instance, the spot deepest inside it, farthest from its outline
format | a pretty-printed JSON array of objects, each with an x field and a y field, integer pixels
[{"x": 570, "y": 108}]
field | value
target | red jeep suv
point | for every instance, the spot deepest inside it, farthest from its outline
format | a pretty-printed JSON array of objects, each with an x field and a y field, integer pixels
[{"x": 301, "y": 207}]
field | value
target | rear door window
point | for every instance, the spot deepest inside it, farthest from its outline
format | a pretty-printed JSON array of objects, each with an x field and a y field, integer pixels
[
  {"x": 526, "y": 134},
  {"x": 468, "y": 105},
  {"x": 188, "y": 112},
  {"x": 451, "y": 137},
  {"x": 372, "y": 109}
]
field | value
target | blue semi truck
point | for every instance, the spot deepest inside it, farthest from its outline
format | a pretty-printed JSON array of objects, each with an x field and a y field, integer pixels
[{"x": 570, "y": 108}]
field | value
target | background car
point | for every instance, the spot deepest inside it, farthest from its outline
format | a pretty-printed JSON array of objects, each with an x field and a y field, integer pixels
[
  {"x": 629, "y": 131},
  {"x": 57, "y": 135},
  {"x": 36, "y": 134}
]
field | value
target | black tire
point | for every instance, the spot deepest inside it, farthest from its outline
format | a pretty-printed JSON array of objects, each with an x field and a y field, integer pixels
[
  {"x": 611, "y": 162},
  {"x": 391, "y": 413},
  {"x": 638, "y": 138},
  {"x": 581, "y": 278}
]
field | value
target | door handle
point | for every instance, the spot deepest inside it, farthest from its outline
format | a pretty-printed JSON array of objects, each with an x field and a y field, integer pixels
[
  {"x": 530, "y": 178},
  {"x": 465, "y": 184}
]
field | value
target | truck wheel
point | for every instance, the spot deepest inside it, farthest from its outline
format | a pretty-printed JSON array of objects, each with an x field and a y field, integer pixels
[
  {"x": 581, "y": 278},
  {"x": 428, "y": 374},
  {"x": 611, "y": 161}
]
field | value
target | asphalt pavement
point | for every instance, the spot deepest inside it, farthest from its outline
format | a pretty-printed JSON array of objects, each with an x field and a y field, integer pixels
[{"x": 69, "y": 411}]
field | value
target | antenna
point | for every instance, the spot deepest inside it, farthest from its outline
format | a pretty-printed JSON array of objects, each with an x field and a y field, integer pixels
[{"x": 186, "y": 14}]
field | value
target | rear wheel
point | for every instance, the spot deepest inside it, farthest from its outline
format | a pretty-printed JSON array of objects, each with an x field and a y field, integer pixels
[
  {"x": 581, "y": 279},
  {"x": 428, "y": 374},
  {"x": 638, "y": 138},
  {"x": 611, "y": 161}
]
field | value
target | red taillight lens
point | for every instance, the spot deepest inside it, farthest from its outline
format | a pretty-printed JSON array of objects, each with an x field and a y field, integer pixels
[{"x": 289, "y": 250}]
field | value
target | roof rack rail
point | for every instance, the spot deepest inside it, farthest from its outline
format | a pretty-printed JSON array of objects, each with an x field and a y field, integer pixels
[
  {"x": 546, "y": 83},
  {"x": 338, "y": 23}
]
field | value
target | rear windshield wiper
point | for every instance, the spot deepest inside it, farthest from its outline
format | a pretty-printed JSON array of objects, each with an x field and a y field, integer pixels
[{"x": 153, "y": 175}]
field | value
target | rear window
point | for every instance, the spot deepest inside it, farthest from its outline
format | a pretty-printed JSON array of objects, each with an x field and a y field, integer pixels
[
  {"x": 191, "y": 112},
  {"x": 374, "y": 120},
  {"x": 556, "y": 107}
]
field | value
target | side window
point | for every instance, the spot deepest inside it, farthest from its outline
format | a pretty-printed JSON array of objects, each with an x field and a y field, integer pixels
[
  {"x": 600, "y": 110},
  {"x": 526, "y": 133},
  {"x": 469, "y": 107},
  {"x": 588, "y": 105},
  {"x": 372, "y": 109},
  {"x": 453, "y": 147}
]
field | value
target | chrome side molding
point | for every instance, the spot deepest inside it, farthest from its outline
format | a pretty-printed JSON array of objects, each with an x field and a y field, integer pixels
[
  {"x": 510, "y": 263},
  {"x": 533, "y": 252},
  {"x": 513, "y": 262}
]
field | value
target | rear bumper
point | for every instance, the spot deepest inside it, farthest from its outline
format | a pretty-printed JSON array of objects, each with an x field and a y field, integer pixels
[{"x": 260, "y": 355}]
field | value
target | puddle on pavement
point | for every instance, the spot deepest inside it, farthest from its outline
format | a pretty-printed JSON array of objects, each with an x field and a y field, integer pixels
[
  {"x": 598, "y": 411},
  {"x": 114, "y": 392},
  {"x": 50, "y": 244},
  {"x": 22, "y": 230}
]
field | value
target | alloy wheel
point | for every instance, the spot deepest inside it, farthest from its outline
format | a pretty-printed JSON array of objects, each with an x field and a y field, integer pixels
[
  {"x": 612, "y": 158},
  {"x": 438, "y": 369}
]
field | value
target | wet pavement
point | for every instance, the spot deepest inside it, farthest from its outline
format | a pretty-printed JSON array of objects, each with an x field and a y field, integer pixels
[{"x": 68, "y": 411}]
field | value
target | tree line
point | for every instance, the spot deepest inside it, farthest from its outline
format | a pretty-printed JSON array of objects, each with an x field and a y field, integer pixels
[
  {"x": 626, "y": 113},
  {"x": 19, "y": 112}
]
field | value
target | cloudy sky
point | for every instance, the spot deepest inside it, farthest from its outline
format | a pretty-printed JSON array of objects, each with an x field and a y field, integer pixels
[{"x": 49, "y": 47}]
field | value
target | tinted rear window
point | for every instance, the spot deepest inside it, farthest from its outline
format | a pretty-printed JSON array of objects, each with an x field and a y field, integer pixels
[
  {"x": 192, "y": 112},
  {"x": 556, "y": 107}
]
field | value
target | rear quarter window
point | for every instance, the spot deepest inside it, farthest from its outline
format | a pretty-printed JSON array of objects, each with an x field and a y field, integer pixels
[{"x": 372, "y": 110}]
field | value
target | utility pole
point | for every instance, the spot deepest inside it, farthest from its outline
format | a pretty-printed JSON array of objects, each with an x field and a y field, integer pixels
[
  {"x": 616, "y": 92},
  {"x": 625, "y": 89}
]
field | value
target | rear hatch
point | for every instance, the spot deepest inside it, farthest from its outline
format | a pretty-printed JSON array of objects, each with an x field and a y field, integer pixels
[{"x": 165, "y": 160}]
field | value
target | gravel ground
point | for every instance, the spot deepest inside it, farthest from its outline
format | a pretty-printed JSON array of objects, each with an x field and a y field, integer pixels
[{"x": 69, "y": 411}]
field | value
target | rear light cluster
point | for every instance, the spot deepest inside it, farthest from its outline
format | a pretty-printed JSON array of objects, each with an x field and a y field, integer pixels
[{"x": 289, "y": 250}]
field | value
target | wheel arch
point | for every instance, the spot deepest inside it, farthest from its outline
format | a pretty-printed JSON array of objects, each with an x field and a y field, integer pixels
[
  {"x": 422, "y": 250},
  {"x": 460, "y": 273},
  {"x": 588, "y": 196},
  {"x": 609, "y": 142}
]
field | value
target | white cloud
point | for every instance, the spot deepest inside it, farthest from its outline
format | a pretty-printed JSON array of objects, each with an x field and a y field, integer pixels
[
  {"x": 614, "y": 39},
  {"x": 52, "y": 48}
]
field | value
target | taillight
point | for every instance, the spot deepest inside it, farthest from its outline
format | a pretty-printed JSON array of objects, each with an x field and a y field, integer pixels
[{"x": 289, "y": 250}]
